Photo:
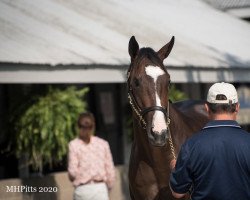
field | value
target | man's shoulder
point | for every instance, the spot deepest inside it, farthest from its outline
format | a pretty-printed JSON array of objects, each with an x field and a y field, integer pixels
[
  {"x": 208, "y": 135},
  {"x": 198, "y": 138},
  {"x": 242, "y": 135}
]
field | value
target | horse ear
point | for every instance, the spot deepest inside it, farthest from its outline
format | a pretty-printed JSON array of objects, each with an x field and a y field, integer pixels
[
  {"x": 133, "y": 47},
  {"x": 165, "y": 50}
]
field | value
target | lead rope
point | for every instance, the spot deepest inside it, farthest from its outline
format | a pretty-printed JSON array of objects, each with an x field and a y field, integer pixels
[{"x": 171, "y": 144}]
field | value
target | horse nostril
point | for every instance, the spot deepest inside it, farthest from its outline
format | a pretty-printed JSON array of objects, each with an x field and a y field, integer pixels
[
  {"x": 154, "y": 134},
  {"x": 163, "y": 137},
  {"x": 165, "y": 134},
  {"x": 160, "y": 136}
]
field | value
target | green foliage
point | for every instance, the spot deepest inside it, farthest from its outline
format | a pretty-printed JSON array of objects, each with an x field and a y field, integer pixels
[
  {"x": 45, "y": 127},
  {"x": 176, "y": 95}
]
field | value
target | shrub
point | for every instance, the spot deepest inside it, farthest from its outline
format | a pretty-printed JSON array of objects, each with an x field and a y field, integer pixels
[{"x": 45, "y": 127}]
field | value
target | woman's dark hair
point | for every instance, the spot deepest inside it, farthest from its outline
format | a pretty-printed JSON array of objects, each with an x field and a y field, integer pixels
[{"x": 86, "y": 115}]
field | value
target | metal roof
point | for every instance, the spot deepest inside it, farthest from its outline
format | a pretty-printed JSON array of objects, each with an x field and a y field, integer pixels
[
  {"x": 87, "y": 32},
  {"x": 238, "y": 8},
  {"x": 229, "y": 4}
]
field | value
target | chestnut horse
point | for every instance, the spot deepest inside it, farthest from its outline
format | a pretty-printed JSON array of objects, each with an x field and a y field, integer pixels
[{"x": 156, "y": 121}]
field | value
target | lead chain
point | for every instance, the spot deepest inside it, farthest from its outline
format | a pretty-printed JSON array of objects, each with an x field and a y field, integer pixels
[
  {"x": 171, "y": 144},
  {"x": 136, "y": 111}
]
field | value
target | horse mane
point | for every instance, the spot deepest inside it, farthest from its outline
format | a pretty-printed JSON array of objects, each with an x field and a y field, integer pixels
[
  {"x": 150, "y": 54},
  {"x": 146, "y": 56}
]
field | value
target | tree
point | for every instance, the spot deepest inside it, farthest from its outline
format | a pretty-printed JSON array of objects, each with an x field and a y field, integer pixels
[{"x": 44, "y": 128}]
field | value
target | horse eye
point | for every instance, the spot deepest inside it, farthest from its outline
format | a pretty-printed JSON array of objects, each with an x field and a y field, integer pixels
[
  {"x": 137, "y": 83},
  {"x": 169, "y": 83}
]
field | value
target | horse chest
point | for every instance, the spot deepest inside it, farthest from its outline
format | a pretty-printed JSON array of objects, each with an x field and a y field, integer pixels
[{"x": 144, "y": 181}]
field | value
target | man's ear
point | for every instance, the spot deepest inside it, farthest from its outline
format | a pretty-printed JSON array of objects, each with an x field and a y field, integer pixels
[
  {"x": 207, "y": 107},
  {"x": 237, "y": 107}
]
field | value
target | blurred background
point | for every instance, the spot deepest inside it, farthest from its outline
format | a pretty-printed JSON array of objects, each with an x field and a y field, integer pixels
[{"x": 59, "y": 58}]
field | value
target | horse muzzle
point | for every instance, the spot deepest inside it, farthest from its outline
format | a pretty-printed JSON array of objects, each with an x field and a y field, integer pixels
[{"x": 158, "y": 139}]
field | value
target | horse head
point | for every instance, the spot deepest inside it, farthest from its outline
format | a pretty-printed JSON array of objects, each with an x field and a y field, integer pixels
[{"x": 148, "y": 85}]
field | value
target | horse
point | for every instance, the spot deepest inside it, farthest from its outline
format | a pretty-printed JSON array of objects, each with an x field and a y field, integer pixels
[{"x": 155, "y": 121}]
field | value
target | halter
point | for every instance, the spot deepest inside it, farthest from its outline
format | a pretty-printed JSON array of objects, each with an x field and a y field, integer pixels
[{"x": 141, "y": 112}]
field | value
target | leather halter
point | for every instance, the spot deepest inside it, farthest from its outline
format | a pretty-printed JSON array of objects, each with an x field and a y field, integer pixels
[{"x": 141, "y": 112}]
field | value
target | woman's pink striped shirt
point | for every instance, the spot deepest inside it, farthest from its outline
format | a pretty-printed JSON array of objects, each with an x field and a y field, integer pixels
[{"x": 90, "y": 162}]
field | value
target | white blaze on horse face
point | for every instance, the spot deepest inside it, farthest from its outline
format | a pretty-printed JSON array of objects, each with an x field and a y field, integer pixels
[{"x": 158, "y": 122}]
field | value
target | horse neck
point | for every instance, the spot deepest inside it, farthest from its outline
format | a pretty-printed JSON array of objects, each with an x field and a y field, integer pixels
[
  {"x": 179, "y": 127},
  {"x": 140, "y": 135}
]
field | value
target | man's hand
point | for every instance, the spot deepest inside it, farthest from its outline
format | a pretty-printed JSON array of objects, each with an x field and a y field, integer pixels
[
  {"x": 175, "y": 194},
  {"x": 172, "y": 164}
]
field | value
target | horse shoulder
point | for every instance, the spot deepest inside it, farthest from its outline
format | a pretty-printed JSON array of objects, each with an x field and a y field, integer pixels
[
  {"x": 193, "y": 107},
  {"x": 194, "y": 111}
]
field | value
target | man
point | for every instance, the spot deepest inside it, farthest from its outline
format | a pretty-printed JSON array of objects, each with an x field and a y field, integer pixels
[
  {"x": 90, "y": 163},
  {"x": 214, "y": 164}
]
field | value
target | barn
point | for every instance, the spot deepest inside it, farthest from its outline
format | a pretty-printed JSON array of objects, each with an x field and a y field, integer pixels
[{"x": 85, "y": 43}]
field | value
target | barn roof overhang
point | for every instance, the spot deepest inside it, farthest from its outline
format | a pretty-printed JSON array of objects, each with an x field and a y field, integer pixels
[
  {"x": 73, "y": 42},
  {"x": 103, "y": 73}
]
